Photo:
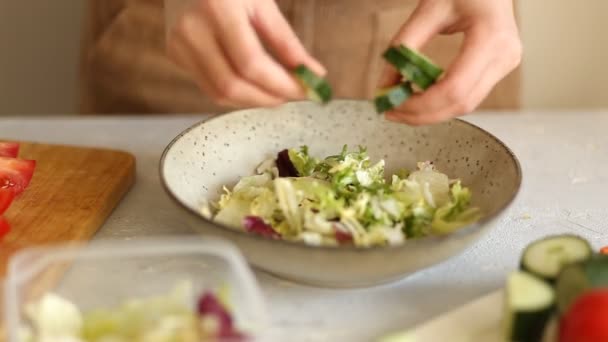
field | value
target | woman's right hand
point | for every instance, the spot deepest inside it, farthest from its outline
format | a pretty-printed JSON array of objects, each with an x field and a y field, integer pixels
[{"x": 222, "y": 44}]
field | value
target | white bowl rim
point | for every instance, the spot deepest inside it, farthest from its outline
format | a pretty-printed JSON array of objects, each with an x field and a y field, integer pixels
[{"x": 427, "y": 240}]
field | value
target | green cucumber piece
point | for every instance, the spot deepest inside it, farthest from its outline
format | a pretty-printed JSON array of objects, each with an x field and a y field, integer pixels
[
  {"x": 317, "y": 88},
  {"x": 392, "y": 97},
  {"x": 407, "y": 69},
  {"x": 394, "y": 57},
  {"x": 529, "y": 303},
  {"x": 418, "y": 77},
  {"x": 580, "y": 277},
  {"x": 545, "y": 258},
  {"x": 421, "y": 61}
]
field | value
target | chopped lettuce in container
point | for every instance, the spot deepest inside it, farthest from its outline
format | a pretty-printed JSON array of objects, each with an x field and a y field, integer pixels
[
  {"x": 175, "y": 317},
  {"x": 345, "y": 199}
]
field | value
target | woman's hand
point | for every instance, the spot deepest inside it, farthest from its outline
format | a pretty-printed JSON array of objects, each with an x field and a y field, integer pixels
[
  {"x": 491, "y": 49},
  {"x": 222, "y": 43}
]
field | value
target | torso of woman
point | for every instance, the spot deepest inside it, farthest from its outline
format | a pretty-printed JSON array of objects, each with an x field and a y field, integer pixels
[{"x": 124, "y": 69}]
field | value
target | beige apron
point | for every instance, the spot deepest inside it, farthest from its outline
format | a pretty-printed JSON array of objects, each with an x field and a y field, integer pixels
[{"x": 125, "y": 71}]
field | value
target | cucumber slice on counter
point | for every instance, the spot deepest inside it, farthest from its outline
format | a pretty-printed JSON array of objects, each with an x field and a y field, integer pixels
[
  {"x": 580, "y": 277},
  {"x": 421, "y": 61},
  {"x": 529, "y": 302},
  {"x": 546, "y": 258},
  {"x": 392, "y": 97},
  {"x": 317, "y": 88},
  {"x": 408, "y": 70}
]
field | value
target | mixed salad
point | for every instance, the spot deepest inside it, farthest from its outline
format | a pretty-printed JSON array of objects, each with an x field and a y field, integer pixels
[
  {"x": 343, "y": 199},
  {"x": 170, "y": 318}
]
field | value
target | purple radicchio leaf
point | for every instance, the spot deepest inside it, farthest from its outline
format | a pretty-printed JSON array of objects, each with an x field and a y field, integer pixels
[
  {"x": 285, "y": 166},
  {"x": 256, "y": 225}
]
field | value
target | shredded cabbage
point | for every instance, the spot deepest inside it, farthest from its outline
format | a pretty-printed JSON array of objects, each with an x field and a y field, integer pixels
[{"x": 345, "y": 198}]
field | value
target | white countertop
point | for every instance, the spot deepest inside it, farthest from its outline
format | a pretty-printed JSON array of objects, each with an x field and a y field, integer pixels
[{"x": 564, "y": 156}]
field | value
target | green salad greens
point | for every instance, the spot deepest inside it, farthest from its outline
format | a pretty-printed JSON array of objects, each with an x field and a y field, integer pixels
[{"x": 343, "y": 199}]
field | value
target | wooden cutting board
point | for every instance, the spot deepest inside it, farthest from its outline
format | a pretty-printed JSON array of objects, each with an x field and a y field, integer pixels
[{"x": 73, "y": 191}]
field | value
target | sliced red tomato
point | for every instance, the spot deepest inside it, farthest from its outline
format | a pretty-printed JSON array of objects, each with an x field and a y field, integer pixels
[
  {"x": 9, "y": 149},
  {"x": 6, "y": 198},
  {"x": 587, "y": 318},
  {"x": 5, "y": 228},
  {"x": 16, "y": 174}
]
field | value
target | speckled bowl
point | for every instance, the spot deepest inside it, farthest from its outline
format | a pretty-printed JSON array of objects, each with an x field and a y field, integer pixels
[{"x": 218, "y": 151}]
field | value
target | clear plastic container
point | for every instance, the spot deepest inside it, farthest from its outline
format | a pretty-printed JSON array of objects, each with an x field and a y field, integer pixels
[{"x": 107, "y": 273}]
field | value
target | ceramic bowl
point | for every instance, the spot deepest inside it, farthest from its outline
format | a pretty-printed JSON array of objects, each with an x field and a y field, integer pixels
[{"x": 219, "y": 151}]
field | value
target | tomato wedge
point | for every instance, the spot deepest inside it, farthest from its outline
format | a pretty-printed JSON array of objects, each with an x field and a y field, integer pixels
[
  {"x": 5, "y": 228},
  {"x": 9, "y": 149},
  {"x": 16, "y": 174},
  {"x": 6, "y": 198},
  {"x": 587, "y": 318}
]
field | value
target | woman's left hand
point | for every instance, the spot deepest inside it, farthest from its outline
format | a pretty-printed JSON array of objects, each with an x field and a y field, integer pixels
[{"x": 490, "y": 50}]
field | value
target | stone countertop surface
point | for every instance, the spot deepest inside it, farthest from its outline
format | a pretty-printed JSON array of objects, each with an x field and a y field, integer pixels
[{"x": 564, "y": 156}]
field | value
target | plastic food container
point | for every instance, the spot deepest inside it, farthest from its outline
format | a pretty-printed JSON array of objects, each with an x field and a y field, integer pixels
[{"x": 108, "y": 273}]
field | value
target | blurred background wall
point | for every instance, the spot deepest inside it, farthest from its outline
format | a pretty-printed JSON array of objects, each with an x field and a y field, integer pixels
[
  {"x": 564, "y": 62},
  {"x": 566, "y": 51},
  {"x": 39, "y": 46}
]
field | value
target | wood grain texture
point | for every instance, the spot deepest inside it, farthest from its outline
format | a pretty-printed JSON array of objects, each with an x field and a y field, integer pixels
[{"x": 72, "y": 193}]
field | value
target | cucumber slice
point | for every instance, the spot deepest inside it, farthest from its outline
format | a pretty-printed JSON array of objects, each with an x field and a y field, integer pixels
[
  {"x": 580, "y": 277},
  {"x": 396, "y": 58},
  {"x": 529, "y": 302},
  {"x": 418, "y": 77},
  {"x": 317, "y": 88},
  {"x": 407, "y": 69},
  {"x": 421, "y": 61},
  {"x": 392, "y": 97},
  {"x": 545, "y": 258}
]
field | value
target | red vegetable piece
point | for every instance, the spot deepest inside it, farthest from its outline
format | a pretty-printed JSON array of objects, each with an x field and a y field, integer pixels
[
  {"x": 6, "y": 198},
  {"x": 342, "y": 235},
  {"x": 209, "y": 305},
  {"x": 256, "y": 225},
  {"x": 16, "y": 174},
  {"x": 9, "y": 149},
  {"x": 5, "y": 228},
  {"x": 587, "y": 318},
  {"x": 604, "y": 250}
]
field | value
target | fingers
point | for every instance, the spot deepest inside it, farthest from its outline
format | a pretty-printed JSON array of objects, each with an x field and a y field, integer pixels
[
  {"x": 245, "y": 52},
  {"x": 461, "y": 77},
  {"x": 490, "y": 51},
  {"x": 198, "y": 51},
  {"x": 178, "y": 52},
  {"x": 425, "y": 22},
  {"x": 484, "y": 61},
  {"x": 278, "y": 34}
]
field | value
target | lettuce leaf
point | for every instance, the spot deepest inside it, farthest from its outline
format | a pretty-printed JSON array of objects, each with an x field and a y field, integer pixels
[
  {"x": 456, "y": 213},
  {"x": 302, "y": 161}
]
